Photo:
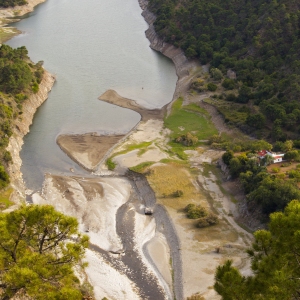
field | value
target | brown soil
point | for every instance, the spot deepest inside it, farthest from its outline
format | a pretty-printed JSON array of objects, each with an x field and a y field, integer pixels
[
  {"x": 113, "y": 97},
  {"x": 87, "y": 149}
]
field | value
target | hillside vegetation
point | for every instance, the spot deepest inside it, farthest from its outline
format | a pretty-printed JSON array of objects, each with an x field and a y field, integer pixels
[
  {"x": 258, "y": 40},
  {"x": 18, "y": 79},
  {"x": 12, "y": 3}
]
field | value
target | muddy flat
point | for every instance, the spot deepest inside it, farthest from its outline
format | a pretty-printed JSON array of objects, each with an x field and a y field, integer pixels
[
  {"x": 87, "y": 149},
  {"x": 112, "y": 97}
]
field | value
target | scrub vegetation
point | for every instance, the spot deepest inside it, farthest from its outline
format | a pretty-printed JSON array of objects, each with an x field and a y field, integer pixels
[{"x": 12, "y": 3}]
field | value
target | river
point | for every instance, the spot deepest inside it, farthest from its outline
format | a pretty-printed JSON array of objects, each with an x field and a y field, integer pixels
[{"x": 90, "y": 47}]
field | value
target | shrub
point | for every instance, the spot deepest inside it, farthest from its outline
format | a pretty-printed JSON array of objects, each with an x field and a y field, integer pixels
[
  {"x": 216, "y": 74},
  {"x": 295, "y": 174},
  {"x": 275, "y": 170},
  {"x": 212, "y": 87},
  {"x": 7, "y": 156},
  {"x": 209, "y": 220},
  {"x": 227, "y": 156},
  {"x": 35, "y": 87},
  {"x": 187, "y": 139},
  {"x": 4, "y": 178},
  {"x": 195, "y": 211},
  {"x": 110, "y": 164},
  {"x": 228, "y": 84},
  {"x": 231, "y": 97},
  {"x": 178, "y": 193}
]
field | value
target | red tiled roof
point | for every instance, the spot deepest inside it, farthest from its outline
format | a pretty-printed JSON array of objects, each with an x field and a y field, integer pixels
[{"x": 262, "y": 153}]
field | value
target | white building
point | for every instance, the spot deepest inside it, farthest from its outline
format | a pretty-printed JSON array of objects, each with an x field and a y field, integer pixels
[{"x": 277, "y": 157}]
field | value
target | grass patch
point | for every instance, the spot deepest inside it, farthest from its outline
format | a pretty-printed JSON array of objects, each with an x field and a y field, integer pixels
[
  {"x": 110, "y": 164},
  {"x": 181, "y": 121},
  {"x": 177, "y": 149},
  {"x": 196, "y": 108},
  {"x": 142, "y": 146},
  {"x": 140, "y": 168},
  {"x": 142, "y": 151},
  {"x": 7, "y": 33},
  {"x": 4, "y": 198},
  {"x": 167, "y": 179},
  {"x": 132, "y": 147}
]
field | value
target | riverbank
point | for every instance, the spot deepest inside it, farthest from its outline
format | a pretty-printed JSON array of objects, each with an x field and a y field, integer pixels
[
  {"x": 20, "y": 128},
  {"x": 11, "y": 14}
]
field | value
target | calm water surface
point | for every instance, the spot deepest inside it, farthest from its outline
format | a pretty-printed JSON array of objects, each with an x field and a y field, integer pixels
[{"x": 90, "y": 46}]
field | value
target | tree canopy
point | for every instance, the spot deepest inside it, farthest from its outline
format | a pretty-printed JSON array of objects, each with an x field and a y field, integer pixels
[
  {"x": 275, "y": 261},
  {"x": 39, "y": 248},
  {"x": 257, "y": 39},
  {"x": 19, "y": 77}
]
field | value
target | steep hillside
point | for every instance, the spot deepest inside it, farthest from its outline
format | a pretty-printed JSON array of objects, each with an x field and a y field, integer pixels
[
  {"x": 258, "y": 40},
  {"x": 19, "y": 79}
]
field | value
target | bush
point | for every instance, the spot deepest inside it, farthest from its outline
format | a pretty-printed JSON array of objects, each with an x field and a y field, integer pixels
[
  {"x": 216, "y": 74},
  {"x": 227, "y": 156},
  {"x": 228, "y": 84},
  {"x": 187, "y": 139},
  {"x": 4, "y": 178},
  {"x": 275, "y": 170},
  {"x": 35, "y": 87},
  {"x": 7, "y": 156},
  {"x": 295, "y": 174},
  {"x": 212, "y": 87},
  {"x": 110, "y": 164},
  {"x": 231, "y": 97},
  {"x": 209, "y": 220},
  {"x": 195, "y": 211},
  {"x": 178, "y": 193}
]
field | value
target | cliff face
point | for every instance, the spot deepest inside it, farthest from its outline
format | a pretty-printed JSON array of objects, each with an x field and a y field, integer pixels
[{"x": 20, "y": 129}]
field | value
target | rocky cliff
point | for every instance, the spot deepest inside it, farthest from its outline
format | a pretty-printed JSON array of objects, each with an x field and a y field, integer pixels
[{"x": 20, "y": 129}]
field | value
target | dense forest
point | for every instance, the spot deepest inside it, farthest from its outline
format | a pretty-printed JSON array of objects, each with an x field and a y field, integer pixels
[
  {"x": 258, "y": 40},
  {"x": 18, "y": 79},
  {"x": 11, "y": 3}
]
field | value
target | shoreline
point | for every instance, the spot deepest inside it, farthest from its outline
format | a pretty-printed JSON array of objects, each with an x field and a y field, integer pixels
[
  {"x": 19, "y": 11},
  {"x": 9, "y": 15},
  {"x": 21, "y": 126}
]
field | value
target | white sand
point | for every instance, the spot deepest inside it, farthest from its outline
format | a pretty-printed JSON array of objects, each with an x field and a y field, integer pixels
[
  {"x": 144, "y": 232},
  {"x": 95, "y": 213},
  {"x": 108, "y": 282},
  {"x": 160, "y": 253}
]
